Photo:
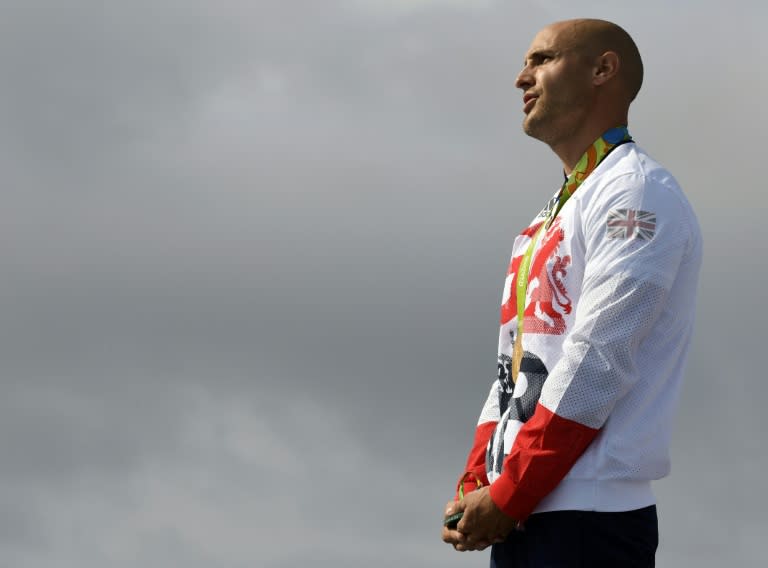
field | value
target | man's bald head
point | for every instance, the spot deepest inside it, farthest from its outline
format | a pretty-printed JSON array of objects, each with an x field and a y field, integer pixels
[
  {"x": 595, "y": 37},
  {"x": 579, "y": 78}
]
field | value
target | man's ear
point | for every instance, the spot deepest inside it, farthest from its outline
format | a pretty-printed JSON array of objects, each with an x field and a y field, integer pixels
[{"x": 606, "y": 67}]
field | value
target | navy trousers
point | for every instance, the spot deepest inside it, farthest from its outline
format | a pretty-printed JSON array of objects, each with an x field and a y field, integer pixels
[{"x": 582, "y": 539}]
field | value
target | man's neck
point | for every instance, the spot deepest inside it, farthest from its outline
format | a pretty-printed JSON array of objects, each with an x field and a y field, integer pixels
[{"x": 572, "y": 149}]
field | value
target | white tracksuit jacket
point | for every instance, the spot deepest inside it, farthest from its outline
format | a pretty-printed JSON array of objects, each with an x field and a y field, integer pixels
[{"x": 608, "y": 322}]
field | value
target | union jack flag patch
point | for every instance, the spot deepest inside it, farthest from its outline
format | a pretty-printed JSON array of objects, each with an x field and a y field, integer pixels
[{"x": 628, "y": 223}]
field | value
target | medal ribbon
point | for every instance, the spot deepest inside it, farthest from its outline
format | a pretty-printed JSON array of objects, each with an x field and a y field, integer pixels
[{"x": 595, "y": 154}]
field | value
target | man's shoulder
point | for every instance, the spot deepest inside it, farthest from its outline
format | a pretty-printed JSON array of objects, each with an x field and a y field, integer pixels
[
  {"x": 634, "y": 185},
  {"x": 629, "y": 173},
  {"x": 633, "y": 163}
]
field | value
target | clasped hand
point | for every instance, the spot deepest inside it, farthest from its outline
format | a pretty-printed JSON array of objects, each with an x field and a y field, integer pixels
[{"x": 482, "y": 524}]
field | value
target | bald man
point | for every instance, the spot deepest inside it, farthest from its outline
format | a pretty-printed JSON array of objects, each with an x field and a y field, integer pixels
[{"x": 596, "y": 320}]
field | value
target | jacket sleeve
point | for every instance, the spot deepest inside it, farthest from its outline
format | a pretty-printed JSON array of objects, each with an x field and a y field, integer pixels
[
  {"x": 475, "y": 475},
  {"x": 625, "y": 285}
]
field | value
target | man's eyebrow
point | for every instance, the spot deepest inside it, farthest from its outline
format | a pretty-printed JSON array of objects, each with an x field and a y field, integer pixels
[{"x": 538, "y": 54}]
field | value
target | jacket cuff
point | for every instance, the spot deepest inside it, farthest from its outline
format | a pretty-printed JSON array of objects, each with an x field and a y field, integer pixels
[{"x": 513, "y": 503}]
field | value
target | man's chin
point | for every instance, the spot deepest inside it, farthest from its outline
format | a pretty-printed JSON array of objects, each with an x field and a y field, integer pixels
[{"x": 532, "y": 128}]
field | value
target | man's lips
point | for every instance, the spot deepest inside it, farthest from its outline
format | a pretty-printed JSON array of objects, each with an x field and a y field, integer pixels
[{"x": 528, "y": 102}]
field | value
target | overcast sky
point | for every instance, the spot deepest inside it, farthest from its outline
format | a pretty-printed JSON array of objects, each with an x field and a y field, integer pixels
[{"x": 253, "y": 256}]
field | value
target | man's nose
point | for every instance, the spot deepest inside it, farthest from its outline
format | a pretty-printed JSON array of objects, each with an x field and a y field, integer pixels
[{"x": 524, "y": 78}]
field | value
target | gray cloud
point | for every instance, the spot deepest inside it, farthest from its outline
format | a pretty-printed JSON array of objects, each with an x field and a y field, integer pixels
[{"x": 253, "y": 257}]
